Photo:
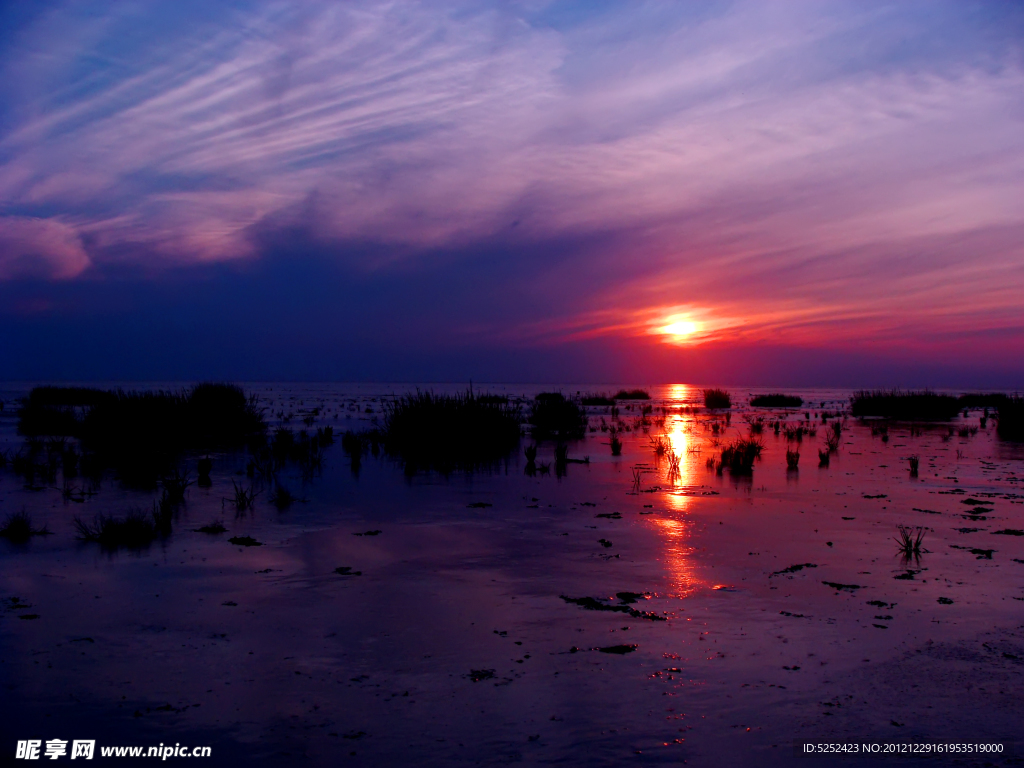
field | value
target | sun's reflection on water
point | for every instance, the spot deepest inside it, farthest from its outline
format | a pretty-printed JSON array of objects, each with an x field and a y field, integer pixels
[{"x": 675, "y": 531}]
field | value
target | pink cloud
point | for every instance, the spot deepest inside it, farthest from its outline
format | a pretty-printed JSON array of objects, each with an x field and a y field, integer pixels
[{"x": 40, "y": 248}]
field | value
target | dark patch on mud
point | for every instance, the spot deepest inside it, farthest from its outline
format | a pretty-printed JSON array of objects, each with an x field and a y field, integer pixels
[
  {"x": 619, "y": 649},
  {"x": 907, "y": 575},
  {"x": 981, "y": 554},
  {"x": 215, "y": 527},
  {"x": 593, "y": 604},
  {"x": 245, "y": 541},
  {"x": 793, "y": 569},
  {"x": 840, "y": 587},
  {"x": 632, "y": 597}
]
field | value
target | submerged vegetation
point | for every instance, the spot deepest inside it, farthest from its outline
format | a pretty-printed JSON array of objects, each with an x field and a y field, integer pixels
[
  {"x": 776, "y": 400},
  {"x": 904, "y": 405},
  {"x": 717, "y": 398}
]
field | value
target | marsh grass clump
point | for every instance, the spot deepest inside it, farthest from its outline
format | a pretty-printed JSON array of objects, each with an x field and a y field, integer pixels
[
  {"x": 739, "y": 456},
  {"x": 282, "y": 498},
  {"x": 175, "y": 484},
  {"x": 135, "y": 530},
  {"x": 909, "y": 540},
  {"x": 448, "y": 432},
  {"x": 776, "y": 400},
  {"x": 833, "y": 434},
  {"x": 823, "y": 457},
  {"x": 717, "y": 398},
  {"x": 792, "y": 460},
  {"x": 904, "y": 405},
  {"x": 632, "y": 394},
  {"x": 142, "y": 434},
  {"x": 615, "y": 443},
  {"x": 596, "y": 399},
  {"x": 552, "y": 415},
  {"x": 1011, "y": 419},
  {"x": 244, "y": 498},
  {"x": 18, "y": 528}
]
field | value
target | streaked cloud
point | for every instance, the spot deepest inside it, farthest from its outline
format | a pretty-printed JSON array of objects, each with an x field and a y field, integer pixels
[{"x": 787, "y": 169}]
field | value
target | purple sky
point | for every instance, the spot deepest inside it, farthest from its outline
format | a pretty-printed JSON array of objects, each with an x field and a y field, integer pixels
[{"x": 828, "y": 193}]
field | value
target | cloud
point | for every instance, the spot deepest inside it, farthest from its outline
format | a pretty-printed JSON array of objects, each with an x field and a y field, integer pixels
[
  {"x": 797, "y": 170},
  {"x": 39, "y": 248}
]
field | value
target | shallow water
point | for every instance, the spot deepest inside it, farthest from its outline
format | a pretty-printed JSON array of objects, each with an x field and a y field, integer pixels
[{"x": 455, "y": 643}]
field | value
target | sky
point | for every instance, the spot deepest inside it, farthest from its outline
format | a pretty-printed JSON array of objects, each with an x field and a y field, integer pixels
[{"x": 750, "y": 193}]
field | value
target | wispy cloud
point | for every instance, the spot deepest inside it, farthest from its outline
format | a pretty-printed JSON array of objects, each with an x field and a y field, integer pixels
[{"x": 798, "y": 166}]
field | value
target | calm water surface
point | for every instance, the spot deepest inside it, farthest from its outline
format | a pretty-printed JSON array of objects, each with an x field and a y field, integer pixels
[{"x": 456, "y": 644}]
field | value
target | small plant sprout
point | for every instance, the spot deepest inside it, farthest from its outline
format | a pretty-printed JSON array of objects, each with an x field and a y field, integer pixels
[
  {"x": 832, "y": 436},
  {"x": 673, "y": 466},
  {"x": 175, "y": 484},
  {"x": 914, "y": 462},
  {"x": 244, "y": 497},
  {"x": 660, "y": 445},
  {"x": 636, "y": 479},
  {"x": 909, "y": 541}
]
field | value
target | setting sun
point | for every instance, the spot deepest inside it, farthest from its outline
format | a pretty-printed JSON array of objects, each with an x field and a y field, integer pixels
[{"x": 680, "y": 330}]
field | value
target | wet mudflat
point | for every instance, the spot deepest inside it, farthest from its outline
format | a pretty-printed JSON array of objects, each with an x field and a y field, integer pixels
[{"x": 624, "y": 612}]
